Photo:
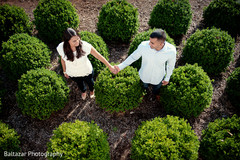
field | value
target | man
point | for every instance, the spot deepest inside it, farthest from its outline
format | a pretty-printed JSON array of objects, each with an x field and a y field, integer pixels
[{"x": 155, "y": 53}]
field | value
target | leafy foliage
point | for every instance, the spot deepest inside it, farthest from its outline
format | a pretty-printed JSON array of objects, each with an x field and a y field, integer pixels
[
  {"x": 13, "y": 20},
  {"x": 221, "y": 140},
  {"x": 98, "y": 43},
  {"x": 144, "y": 36},
  {"x": 22, "y": 53},
  {"x": 224, "y": 14},
  {"x": 233, "y": 87},
  {"x": 118, "y": 21},
  {"x": 188, "y": 93},
  {"x": 119, "y": 92},
  {"x": 41, "y": 92},
  {"x": 53, "y": 17},
  {"x": 79, "y": 140},
  {"x": 174, "y": 16},
  {"x": 9, "y": 140},
  {"x": 211, "y": 48},
  {"x": 165, "y": 138}
]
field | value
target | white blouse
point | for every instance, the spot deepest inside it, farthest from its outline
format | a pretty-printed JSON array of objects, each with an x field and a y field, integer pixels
[{"x": 79, "y": 67}]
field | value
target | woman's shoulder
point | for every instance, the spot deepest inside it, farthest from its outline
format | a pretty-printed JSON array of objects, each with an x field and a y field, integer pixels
[{"x": 60, "y": 49}]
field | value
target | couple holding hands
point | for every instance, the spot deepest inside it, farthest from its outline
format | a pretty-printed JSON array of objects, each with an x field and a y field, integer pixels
[{"x": 158, "y": 61}]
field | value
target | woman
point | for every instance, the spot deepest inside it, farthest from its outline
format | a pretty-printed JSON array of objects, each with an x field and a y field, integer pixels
[{"x": 75, "y": 63}]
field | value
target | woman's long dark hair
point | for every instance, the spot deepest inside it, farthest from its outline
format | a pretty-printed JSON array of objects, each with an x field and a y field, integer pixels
[{"x": 67, "y": 35}]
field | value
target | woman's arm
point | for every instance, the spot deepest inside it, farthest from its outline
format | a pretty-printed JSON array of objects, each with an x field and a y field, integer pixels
[
  {"x": 64, "y": 68},
  {"x": 97, "y": 55}
]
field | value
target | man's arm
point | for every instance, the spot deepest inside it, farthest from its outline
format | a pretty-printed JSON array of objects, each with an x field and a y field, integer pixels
[
  {"x": 132, "y": 58},
  {"x": 170, "y": 66}
]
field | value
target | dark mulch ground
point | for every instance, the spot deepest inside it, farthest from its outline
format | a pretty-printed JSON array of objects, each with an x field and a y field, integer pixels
[{"x": 120, "y": 127}]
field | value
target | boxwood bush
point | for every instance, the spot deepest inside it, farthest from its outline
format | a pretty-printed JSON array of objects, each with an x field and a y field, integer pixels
[
  {"x": 221, "y": 140},
  {"x": 174, "y": 16},
  {"x": 22, "y": 53},
  {"x": 79, "y": 140},
  {"x": 143, "y": 36},
  {"x": 9, "y": 140},
  {"x": 211, "y": 48},
  {"x": 233, "y": 88},
  {"x": 119, "y": 92},
  {"x": 98, "y": 43},
  {"x": 224, "y": 14},
  {"x": 118, "y": 21},
  {"x": 52, "y": 17},
  {"x": 165, "y": 138},
  {"x": 13, "y": 20},
  {"x": 188, "y": 93},
  {"x": 41, "y": 92}
]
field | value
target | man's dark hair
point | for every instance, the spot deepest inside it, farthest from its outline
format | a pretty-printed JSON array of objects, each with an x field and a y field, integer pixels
[{"x": 159, "y": 34}]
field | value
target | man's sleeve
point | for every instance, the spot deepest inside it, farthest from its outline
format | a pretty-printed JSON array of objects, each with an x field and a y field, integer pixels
[
  {"x": 170, "y": 65},
  {"x": 132, "y": 58}
]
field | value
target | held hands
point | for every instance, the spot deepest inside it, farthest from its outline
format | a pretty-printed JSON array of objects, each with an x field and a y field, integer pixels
[{"x": 114, "y": 69}]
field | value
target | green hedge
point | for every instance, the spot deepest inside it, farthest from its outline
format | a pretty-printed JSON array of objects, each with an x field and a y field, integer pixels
[
  {"x": 118, "y": 21},
  {"x": 143, "y": 36},
  {"x": 53, "y": 17},
  {"x": 174, "y": 16},
  {"x": 13, "y": 20},
  {"x": 9, "y": 141},
  {"x": 41, "y": 92},
  {"x": 211, "y": 48},
  {"x": 79, "y": 140},
  {"x": 233, "y": 88},
  {"x": 98, "y": 43},
  {"x": 188, "y": 93},
  {"x": 165, "y": 138},
  {"x": 224, "y": 14},
  {"x": 22, "y": 53},
  {"x": 221, "y": 140},
  {"x": 119, "y": 92}
]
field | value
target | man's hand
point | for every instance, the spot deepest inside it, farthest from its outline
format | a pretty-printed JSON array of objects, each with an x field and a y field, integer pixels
[
  {"x": 164, "y": 83},
  {"x": 117, "y": 69}
]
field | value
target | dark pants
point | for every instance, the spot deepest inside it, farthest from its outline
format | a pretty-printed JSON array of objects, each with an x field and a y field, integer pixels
[
  {"x": 87, "y": 79},
  {"x": 156, "y": 88}
]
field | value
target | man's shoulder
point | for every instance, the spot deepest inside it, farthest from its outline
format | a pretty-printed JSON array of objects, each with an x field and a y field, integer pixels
[
  {"x": 145, "y": 43},
  {"x": 169, "y": 45}
]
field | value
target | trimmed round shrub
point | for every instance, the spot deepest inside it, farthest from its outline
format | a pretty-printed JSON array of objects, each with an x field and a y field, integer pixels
[
  {"x": 9, "y": 140},
  {"x": 224, "y": 14},
  {"x": 144, "y": 36},
  {"x": 188, "y": 93},
  {"x": 53, "y": 17},
  {"x": 98, "y": 43},
  {"x": 41, "y": 92},
  {"x": 233, "y": 88},
  {"x": 79, "y": 140},
  {"x": 174, "y": 16},
  {"x": 221, "y": 140},
  {"x": 119, "y": 92},
  {"x": 13, "y": 20},
  {"x": 22, "y": 53},
  {"x": 165, "y": 138},
  {"x": 211, "y": 48},
  {"x": 118, "y": 21}
]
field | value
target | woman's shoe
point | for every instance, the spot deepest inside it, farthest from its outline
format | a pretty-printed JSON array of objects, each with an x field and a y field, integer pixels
[
  {"x": 84, "y": 95},
  {"x": 92, "y": 95}
]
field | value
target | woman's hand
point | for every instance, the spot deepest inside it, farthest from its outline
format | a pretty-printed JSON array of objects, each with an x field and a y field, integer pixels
[{"x": 65, "y": 75}]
